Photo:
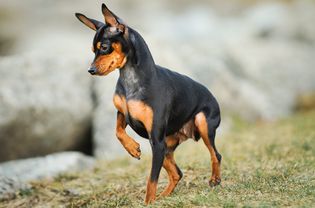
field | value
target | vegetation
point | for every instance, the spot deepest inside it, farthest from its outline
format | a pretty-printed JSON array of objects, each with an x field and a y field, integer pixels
[{"x": 264, "y": 165}]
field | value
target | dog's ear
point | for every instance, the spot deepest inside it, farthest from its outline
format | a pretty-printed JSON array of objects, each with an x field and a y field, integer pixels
[
  {"x": 91, "y": 23},
  {"x": 111, "y": 19}
]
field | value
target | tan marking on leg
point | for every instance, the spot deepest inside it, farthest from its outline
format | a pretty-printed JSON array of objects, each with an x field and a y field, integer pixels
[
  {"x": 171, "y": 141},
  {"x": 141, "y": 112},
  {"x": 173, "y": 176},
  {"x": 201, "y": 123},
  {"x": 151, "y": 192},
  {"x": 120, "y": 103},
  {"x": 132, "y": 147}
]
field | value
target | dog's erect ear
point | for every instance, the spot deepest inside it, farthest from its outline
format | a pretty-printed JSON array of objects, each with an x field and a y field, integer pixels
[
  {"x": 91, "y": 23},
  {"x": 111, "y": 19}
]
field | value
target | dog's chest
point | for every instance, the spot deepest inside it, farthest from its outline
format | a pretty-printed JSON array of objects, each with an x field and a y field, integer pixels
[
  {"x": 137, "y": 114},
  {"x": 130, "y": 83}
]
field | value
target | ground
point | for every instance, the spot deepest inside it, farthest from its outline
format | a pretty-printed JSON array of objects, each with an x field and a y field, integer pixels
[{"x": 264, "y": 165}]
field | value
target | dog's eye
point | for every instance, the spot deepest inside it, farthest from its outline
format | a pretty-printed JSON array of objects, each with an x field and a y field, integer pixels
[{"x": 104, "y": 47}]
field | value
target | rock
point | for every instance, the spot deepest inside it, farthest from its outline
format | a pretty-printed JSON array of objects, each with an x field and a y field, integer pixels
[
  {"x": 267, "y": 77},
  {"x": 45, "y": 105},
  {"x": 291, "y": 22},
  {"x": 46, "y": 167},
  {"x": 268, "y": 66},
  {"x": 249, "y": 60},
  {"x": 9, "y": 187}
]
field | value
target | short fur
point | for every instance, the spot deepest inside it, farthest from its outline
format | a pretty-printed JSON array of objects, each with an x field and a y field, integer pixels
[{"x": 159, "y": 104}]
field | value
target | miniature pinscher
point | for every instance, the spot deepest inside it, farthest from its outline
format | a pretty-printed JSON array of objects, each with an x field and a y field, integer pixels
[{"x": 161, "y": 105}]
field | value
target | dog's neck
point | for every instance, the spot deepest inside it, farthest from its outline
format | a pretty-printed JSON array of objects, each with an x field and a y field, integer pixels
[{"x": 140, "y": 66}]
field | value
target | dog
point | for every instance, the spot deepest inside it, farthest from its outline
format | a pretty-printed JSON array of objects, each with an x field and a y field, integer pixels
[{"x": 160, "y": 105}]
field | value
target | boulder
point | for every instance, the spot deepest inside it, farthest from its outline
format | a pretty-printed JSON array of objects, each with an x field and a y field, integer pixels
[
  {"x": 270, "y": 60},
  {"x": 265, "y": 78},
  {"x": 256, "y": 62},
  {"x": 45, "y": 105},
  {"x": 46, "y": 167},
  {"x": 10, "y": 186}
]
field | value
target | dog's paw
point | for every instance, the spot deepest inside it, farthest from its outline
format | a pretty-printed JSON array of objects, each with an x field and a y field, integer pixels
[
  {"x": 214, "y": 181},
  {"x": 134, "y": 149}
]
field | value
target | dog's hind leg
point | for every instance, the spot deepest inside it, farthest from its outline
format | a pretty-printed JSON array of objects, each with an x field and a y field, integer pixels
[
  {"x": 169, "y": 164},
  {"x": 207, "y": 128}
]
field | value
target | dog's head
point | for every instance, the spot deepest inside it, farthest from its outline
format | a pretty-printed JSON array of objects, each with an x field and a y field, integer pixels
[{"x": 109, "y": 44}]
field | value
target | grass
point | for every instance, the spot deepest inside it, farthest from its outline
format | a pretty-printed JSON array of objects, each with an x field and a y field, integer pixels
[{"x": 264, "y": 165}]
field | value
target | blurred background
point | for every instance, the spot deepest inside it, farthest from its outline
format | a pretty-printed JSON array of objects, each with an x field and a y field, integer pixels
[{"x": 257, "y": 58}]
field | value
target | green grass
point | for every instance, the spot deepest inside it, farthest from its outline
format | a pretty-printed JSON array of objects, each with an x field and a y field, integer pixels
[{"x": 264, "y": 165}]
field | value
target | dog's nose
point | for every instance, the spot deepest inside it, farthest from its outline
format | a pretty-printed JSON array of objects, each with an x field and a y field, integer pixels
[{"x": 92, "y": 70}]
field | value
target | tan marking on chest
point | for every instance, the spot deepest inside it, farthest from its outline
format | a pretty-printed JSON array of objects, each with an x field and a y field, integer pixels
[
  {"x": 140, "y": 111},
  {"x": 120, "y": 103}
]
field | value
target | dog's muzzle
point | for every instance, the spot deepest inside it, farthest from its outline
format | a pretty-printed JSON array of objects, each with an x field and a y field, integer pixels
[{"x": 92, "y": 70}]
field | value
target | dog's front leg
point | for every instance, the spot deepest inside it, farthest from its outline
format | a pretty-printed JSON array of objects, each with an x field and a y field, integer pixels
[
  {"x": 158, "y": 152},
  {"x": 132, "y": 147},
  {"x": 153, "y": 123}
]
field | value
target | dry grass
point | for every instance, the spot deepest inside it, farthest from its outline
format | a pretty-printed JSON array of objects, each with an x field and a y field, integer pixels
[{"x": 264, "y": 165}]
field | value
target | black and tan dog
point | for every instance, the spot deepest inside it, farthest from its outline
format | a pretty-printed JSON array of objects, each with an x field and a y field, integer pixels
[{"x": 161, "y": 105}]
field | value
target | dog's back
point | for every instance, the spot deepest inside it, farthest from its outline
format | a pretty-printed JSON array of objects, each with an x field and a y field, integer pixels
[{"x": 185, "y": 98}]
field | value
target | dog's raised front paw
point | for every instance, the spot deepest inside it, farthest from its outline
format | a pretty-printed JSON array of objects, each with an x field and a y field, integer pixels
[{"x": 134, "y": 149}]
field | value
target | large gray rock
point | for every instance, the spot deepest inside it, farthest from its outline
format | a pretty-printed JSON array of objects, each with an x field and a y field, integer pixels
[
  {"x": 15, "y": 175},
  {"x": 45, "y": 105},
  {"x": 46, "y": 167},
  {"x": 256, "y": 62},
  {"x": 270, "y": 60},
  {"x": 266, "y": 78},
  {"x": 10, "y": 186}
]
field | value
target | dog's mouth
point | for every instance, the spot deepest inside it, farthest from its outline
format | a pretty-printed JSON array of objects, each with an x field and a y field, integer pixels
[
  {"x": 92, "y": 70},
  {"x": 102, "y": 70},
  {"x": 92, "y": 73}
]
